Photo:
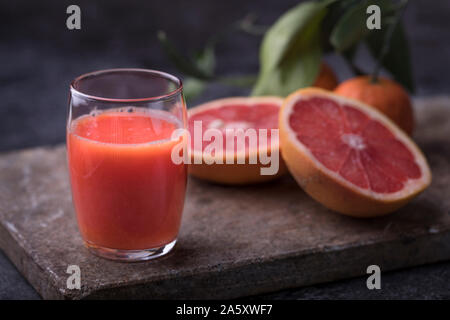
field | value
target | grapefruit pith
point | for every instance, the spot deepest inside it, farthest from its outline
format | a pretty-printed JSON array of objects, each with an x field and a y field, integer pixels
[
  {"x": 233, "y": 115},
  {"x": 349, "y": 156}
]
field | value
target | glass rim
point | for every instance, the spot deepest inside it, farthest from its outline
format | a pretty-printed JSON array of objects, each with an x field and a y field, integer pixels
[{"x": 161, "y": 74}]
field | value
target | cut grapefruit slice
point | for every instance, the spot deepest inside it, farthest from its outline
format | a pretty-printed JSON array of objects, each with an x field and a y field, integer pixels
[
  {"x": 232, "y": 115},
  {"x": 349, "y": 156}
]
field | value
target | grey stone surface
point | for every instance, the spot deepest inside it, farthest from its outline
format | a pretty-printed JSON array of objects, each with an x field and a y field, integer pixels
[
  {"x": 424, "y": 282},
  {"x": 12, "y": 284},
  {"x": 420, "y": 283},
  {"x": 234, "y": 241}
]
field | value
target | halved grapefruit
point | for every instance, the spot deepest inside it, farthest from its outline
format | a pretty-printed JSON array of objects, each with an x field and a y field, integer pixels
[
  {"x": 233, "y": 114},
  {"x": 349, "y": 156}
]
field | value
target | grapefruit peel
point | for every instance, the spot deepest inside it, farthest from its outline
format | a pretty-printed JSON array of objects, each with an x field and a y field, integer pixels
[{"x": 327, "y": 186}]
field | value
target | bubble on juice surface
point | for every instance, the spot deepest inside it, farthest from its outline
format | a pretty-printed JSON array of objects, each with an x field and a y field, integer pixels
[{"x": 94, "y": 112}]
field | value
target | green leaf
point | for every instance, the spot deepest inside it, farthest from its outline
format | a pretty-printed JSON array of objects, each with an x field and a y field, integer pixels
[
  {"x": 183, "y": 64},
  {"x": 192, "y": 88},
  {"x": 335, "y": 11},
  {"x": 351, "y": 27},
  {"x": 238, "y": 81},
  {"x": 284, "y": 34},
  {"x": 290, "y": 52},
  {"x": 293, "y": 76},
  {"x": 206, "y": 60},
  {"x": 397, "y": 60}
]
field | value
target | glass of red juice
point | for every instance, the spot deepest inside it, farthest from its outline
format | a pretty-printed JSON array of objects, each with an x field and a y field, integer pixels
[{"x": 127, "y": 191}]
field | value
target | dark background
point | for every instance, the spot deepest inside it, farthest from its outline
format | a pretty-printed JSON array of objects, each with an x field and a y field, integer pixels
[{"x": 39, "y": 57}]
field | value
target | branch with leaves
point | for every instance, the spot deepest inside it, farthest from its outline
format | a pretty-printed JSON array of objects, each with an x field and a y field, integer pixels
[
  {"x": 293, "y": 47},
  {"x": 200, "y": 67}
]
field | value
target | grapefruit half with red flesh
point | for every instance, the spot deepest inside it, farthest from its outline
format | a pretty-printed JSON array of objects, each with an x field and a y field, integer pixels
[
  {"x": 349, "y": 156},
  {"x": 232, "y": 115}
]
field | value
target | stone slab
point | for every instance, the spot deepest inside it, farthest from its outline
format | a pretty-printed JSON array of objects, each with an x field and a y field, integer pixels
[{"x": 234, "y": 242}]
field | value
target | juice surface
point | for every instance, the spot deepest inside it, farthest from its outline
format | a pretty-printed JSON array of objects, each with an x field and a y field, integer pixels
[{"x": 127, "y": 192}]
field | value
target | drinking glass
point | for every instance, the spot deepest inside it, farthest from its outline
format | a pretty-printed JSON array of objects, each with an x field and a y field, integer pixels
[{"x": 127, "y": 191}]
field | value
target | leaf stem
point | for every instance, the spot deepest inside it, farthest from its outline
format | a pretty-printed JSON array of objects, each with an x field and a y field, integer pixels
[
  {"x": 247, "y": 24},
  {"x": 387, "y": 40},
  {"x": 247, "y": 80}
]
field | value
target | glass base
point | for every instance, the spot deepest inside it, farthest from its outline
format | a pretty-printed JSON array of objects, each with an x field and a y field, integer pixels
[{"x": 130, "y": 255}]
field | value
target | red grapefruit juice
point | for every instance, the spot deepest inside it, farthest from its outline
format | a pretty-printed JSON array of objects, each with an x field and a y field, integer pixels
[{"x": 127, "y": 192}]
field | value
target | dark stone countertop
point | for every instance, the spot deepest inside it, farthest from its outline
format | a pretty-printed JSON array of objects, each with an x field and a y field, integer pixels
[
  {"x": 425, "y": 282},
  {"x": 40, "y": 56}
]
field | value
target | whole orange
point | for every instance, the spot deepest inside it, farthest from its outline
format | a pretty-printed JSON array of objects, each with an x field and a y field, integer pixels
[
  {"x": 383, "y": 94},
  {"x": 326, "y": 78}
]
